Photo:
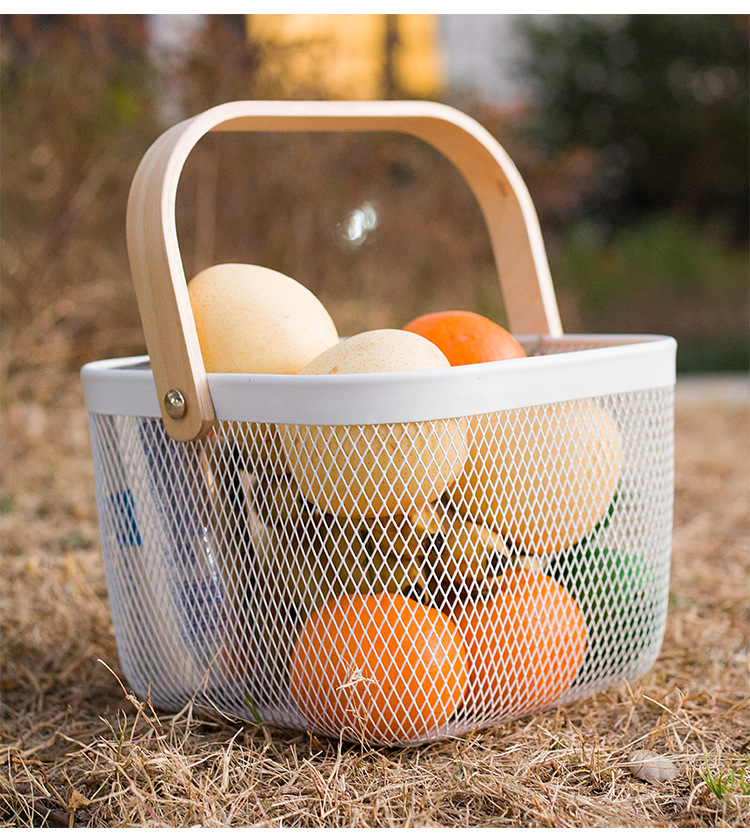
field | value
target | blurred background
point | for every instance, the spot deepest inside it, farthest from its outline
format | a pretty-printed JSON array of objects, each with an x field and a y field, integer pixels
[{"x": 631, "y": 132}]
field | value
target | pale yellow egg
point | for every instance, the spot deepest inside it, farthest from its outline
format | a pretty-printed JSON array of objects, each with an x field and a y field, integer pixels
[
  {"x": 252, "y": 319},
  {"x": 542, "y": 476},
  {"x": 376, "y": 469}
]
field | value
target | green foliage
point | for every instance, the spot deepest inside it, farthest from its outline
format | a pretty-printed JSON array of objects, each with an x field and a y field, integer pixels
[
  {"x": 663, "y": 253},
  {"x": 662, "y": 98},
  {"x": 727, "y": 782},
  {"x": 662, "y": 275}
]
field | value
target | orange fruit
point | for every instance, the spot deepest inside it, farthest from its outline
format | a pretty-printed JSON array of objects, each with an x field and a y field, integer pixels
[
  {"x": 524, "y": 643},
  {"x": 382, "y": 668},
  {"x": 465, "y": 337}
]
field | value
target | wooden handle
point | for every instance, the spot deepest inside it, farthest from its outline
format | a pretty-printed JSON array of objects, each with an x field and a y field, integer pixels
[{"x": 156, "y": 264}]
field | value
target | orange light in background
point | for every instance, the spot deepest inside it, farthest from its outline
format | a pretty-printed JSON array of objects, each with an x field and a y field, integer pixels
[
  {"x": 345, "y": 55},
  {"x": 418, "y": 62}
]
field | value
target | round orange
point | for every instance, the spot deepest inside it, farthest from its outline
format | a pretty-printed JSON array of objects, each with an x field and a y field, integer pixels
[
  {"x": 465, "y": 337},
  {"x": 382, "y": 668},
  {"x": 525, "y": 644}
]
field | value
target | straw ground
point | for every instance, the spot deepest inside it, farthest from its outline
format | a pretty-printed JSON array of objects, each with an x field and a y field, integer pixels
[{"x": 76, "y": 748}]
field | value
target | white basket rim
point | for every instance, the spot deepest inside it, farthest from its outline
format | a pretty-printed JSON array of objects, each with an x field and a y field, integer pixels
[{"x": 614, "y": 364}]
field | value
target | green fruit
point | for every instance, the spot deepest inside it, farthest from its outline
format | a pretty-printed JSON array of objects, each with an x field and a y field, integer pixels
[{"x": 620, "y": 603}]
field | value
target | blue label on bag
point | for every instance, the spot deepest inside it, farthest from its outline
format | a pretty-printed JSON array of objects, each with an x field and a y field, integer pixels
[{"x": 122, "y": 507}]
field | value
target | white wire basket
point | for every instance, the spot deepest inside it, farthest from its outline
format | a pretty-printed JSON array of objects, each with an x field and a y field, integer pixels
[{"x": 388, "y": 557}]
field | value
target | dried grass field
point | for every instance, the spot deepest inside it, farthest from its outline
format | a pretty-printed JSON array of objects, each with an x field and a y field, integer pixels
[
  {"x": 76, "y": 748},
  {"x": 80, "y": 103}
]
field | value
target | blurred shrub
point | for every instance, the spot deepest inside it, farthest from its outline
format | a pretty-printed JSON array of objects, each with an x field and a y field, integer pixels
[
  {"x": 662, "y": 275},
  {"x": 76, "y": 113},
  {"x": 662, "y": 100}
]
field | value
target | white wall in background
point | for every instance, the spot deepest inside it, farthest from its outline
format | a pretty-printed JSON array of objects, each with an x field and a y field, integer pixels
[{"x": 480, "y": 53}]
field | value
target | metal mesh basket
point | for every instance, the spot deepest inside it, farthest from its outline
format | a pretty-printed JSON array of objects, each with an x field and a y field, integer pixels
[{"x": 326, "y": 553}]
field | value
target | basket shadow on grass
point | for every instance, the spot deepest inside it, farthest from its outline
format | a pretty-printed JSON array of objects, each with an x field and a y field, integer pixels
[{"x": 78, "y": 749}]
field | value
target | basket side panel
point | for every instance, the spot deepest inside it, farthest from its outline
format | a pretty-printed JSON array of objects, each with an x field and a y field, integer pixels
[
  {"x": 397, "y": 582},
  {"x": 164, "y": 587}
]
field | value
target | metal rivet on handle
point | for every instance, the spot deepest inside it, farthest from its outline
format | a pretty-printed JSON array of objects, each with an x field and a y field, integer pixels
[{"x": 175, "y": 403}]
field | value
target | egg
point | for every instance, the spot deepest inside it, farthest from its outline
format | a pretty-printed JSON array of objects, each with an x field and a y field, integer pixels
[
  {"x": 252, "y": 319},
  {"x": 542, "y": 476},
  {"x": 376, "y": 470},
  {"x": 381, "y": 350}
]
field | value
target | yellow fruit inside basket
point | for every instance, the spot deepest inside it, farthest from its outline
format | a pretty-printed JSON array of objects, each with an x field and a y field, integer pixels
[
  {"x": 542, "y": 476},
  {"x": 382, "y": 469},
  {"x": 252, "y": 319}
]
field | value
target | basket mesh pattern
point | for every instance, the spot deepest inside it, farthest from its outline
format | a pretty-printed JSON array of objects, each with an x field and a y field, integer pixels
[{"x": 395, "y": 583}]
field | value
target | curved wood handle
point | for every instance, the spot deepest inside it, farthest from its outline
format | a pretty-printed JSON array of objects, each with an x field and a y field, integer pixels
[{"x": 156, "y": 264}]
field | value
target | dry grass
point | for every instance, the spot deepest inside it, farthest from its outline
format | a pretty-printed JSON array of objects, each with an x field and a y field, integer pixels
[{"x": 77, "y": 749}]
